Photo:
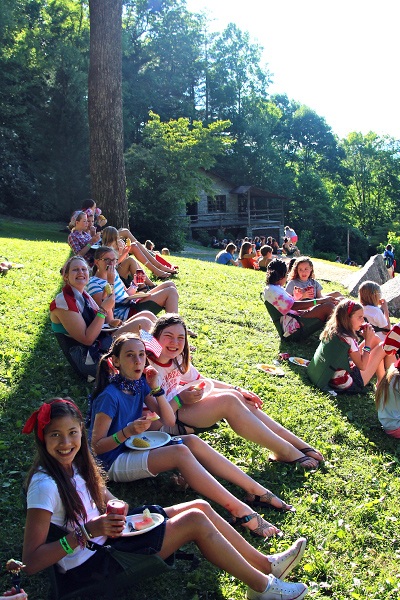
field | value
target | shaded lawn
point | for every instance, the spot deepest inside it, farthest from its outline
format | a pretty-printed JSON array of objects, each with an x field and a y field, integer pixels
[{"x": 348, "y": 510}]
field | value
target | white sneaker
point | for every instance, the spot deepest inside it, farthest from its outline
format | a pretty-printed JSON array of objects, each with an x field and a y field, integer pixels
[
  {"x": 283, "y": 563},
  {"x": 279, "y": 590}
]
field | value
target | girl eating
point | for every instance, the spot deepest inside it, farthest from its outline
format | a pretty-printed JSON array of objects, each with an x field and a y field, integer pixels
[
  {"x": 240, "y": 408},
  {"x": 116, "y": 414},
  {"x": 66, "y": 489},
  {"x": 79, "y": 239},
  {"x": 376, "y": 309},
  {"x": 162, "y": 296},
  {"x": 340, "y": 362},
  {"x": 302, "y": 285}
]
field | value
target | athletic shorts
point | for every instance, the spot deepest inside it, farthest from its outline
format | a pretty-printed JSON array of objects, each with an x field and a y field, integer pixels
[
  {"x": 310, "y": 326},
  {"x": 146, "y": 305}
]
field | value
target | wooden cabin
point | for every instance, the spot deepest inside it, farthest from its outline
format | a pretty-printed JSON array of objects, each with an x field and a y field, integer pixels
[{"x": 242, "y": 210}]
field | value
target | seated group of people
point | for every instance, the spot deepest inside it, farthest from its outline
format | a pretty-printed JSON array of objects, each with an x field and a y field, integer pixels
[
  {"x": 136, "y": 374},
  {"x": 357, "y": 341}
]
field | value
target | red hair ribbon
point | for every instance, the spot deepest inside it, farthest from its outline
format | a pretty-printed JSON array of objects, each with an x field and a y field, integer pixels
[
  {"x": 42, "y": 418},
  {"x": 350, "y": 306}
]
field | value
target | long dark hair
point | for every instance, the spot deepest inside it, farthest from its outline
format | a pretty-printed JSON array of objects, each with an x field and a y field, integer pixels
[
  {"x": 84, "y": 463},
  {"x": 245, "y": 248},
  {"x": 276, "y": 271},
  {"x": 104, "y": 369},
  {"x": 162, "y": 323}
]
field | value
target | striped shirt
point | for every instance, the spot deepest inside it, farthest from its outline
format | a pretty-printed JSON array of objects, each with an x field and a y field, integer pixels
[{"x": 97, "y": 285}]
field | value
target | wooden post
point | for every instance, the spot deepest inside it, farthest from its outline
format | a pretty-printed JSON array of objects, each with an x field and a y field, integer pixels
[
  {"x": 248, "y": 209},
  {"x": 348, "y": 243}
]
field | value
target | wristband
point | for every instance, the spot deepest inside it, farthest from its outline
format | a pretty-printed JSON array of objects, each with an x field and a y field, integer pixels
[
  {"x": 116, "y": 440},
  {"x": 155, "y": 390},
  {"x": 160, "y": 392},
  {"x": 66, "y": 546},
  {"x": 99, "y": 314},
  {"x": 367, "y": 349},
  {"x": 315, "y": 302},
  {"x": 178, "y": 400},
  {"x": 89, "y": 245},
  {"x": 237, "y": 388},
  {"x": 123, "y": 432},
  {"x": 80, "y": 537}
]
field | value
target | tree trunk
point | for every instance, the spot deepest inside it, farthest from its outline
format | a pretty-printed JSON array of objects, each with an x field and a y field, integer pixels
[{"x": 107, "y": 169}]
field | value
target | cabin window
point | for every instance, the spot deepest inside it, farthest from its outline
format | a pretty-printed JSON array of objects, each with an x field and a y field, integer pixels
[{"x": 216, "y": 204}]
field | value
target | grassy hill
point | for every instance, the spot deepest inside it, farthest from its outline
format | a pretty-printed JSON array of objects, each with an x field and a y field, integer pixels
[{"x": 349, "y": 510}]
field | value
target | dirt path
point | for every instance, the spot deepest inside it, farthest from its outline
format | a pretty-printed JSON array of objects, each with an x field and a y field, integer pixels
[{"x": 323, "y": 270}]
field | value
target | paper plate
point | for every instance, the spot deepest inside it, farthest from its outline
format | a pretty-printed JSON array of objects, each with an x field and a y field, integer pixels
[
  {"x": 156, "y": 439},
  {"x": 302, "y": 362},
  {"x": 206, "y": 390},
  {"x": 271, "y": 370},
  {"x": 158, "y": 519}
]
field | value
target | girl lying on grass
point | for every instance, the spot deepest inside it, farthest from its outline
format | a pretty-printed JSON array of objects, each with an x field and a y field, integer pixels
[
  {"x": 163, "y": 296},
  {"x": 298, "y": 316},
  {"x": 240, "y": 408},
  {"x": 74, "y": 314},
  {"x": 302, "y": 285},
  {"x": 116, "y": 414},
  {"x": 66, "y": 489},
  {"x": 162, "y": 270},
  {"x": 339, "y": 343}
]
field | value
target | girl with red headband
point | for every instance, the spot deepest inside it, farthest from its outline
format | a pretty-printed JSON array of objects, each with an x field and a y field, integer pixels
[
  {"x": 67, "y": 498},
  {"x": 339, "y": 346}
]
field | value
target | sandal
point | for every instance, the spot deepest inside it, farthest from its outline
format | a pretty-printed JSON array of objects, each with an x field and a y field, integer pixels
[
  {"x": 310, "y": 449},
  {"x": 191, "y": 334},
  {"x": 268, "y": 496},
  {"x": 262, "y": 525},
  {"x": 300, "y": 460}
]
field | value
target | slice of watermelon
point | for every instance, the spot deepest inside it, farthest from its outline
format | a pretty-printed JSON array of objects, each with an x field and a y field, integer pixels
[
  {"x": 152, "y": 416},
  {"x": 200, "y": 386},
  {"x": 139, "y": 525}
]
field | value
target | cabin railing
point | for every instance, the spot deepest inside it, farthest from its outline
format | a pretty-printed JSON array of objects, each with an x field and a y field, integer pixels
[{"x": 240, "y": 217}]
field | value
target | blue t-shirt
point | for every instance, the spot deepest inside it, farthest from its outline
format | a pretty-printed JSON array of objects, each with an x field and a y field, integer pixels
[
  {"x": 122, "y": 408},
  {"x": 224, "y": 258}
]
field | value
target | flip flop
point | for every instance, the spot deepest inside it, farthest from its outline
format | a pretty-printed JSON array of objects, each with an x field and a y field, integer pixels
[
  {"x": 300, "y": 460},
  {"x": 310, "y": 449}
]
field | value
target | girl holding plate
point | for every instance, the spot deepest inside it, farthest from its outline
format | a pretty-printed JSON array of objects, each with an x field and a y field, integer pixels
[{"x": 116, "y": 415}]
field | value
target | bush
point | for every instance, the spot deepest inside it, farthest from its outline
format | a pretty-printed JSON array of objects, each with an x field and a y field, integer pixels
[{"x": 203, "y": 237}]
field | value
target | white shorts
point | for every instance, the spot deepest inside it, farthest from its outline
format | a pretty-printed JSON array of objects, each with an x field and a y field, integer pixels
[{"x": 130, "y": 466}]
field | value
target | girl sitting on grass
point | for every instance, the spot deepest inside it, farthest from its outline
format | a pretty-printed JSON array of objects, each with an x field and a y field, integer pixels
[
  {"x": 225, "y": 257},
  {"x": 302, "y": 285},
  {"x": 305, "y": 315},
  {"x": 248, "y": 256},
  {"x": 66, "y": 489},
  {"x": 239, "y": 407},
  {"x": 362, "y": 361},
  {"x": 163, "y": 296},
  {"x": 79, "y": 239},
  {"x": 376, "y": 309},
  {"x": 116, "y": 414}
]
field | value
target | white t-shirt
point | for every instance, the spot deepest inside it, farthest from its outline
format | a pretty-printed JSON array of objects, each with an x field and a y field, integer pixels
[
  {"x": 171, "y": 377},
  {"x": 376, "y": 317},
  {"x": 43, "y": 494}
]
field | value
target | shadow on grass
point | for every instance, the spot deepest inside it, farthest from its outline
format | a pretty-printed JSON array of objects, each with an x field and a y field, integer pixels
[{"x": 31, "y": 230}]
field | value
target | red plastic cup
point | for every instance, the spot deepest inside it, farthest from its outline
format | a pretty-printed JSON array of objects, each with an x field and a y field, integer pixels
[
  {"x": 284, "y": 355},
  {"x": 115, "y": 507},
  {"x": 139, "y": 277}
]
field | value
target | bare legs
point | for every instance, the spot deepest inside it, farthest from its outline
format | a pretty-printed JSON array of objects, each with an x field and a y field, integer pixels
[
  {"x": 217, "y": 541},
  {"x": 321, "y": 311},
  {"x": 259, "y": 429},
  {"x": 165, "y": 295},
  {"x": 143, "y": 320},
  {"x": 180, "y": 457},
  {"x": 143, "y": 256}
]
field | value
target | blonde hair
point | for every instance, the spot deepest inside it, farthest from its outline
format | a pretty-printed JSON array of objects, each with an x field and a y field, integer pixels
[
  {"x": 339, "y": 322},
  {"x": 382, "y": 390},
  {"x": 369, "y": 293},
  {"x": 109, "y": 236},
  {"x": 165, "y": 251}
]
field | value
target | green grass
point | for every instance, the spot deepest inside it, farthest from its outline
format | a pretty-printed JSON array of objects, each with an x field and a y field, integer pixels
[{"x": 348, "y": 510}]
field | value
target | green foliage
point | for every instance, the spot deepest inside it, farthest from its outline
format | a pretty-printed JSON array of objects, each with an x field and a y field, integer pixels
[
  {"x": 203, "y": 237},
  {"x": 307, "y": 243},
  {"x": 348, "y": 509},
  {"x": 166, "y": 172}
]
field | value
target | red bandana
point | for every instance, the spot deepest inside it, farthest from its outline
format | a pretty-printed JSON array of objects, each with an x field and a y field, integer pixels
[{"x": 42, "y": 417}]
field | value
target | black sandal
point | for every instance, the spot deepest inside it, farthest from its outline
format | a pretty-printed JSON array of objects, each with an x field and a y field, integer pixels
[
  {"x": 258, "y": 502},
  {"x": 262, "y": 525},
  {"x": 297, "y": 460}
]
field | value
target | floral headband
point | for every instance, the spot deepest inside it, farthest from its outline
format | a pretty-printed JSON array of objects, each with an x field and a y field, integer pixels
[
  {"x": 75, "y": 216},
  {"x": 42, "y": 418}
]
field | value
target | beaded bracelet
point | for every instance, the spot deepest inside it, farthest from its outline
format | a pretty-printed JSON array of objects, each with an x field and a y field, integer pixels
[
  {"x": 80, "y": 537},
  {"x": 160, "y": 392},
  {"x": 86, "y": 532},
  {"x": 115, "y": 438},
  {"x": 178, "y": 400},
  {"x": 66, "y": 546}
]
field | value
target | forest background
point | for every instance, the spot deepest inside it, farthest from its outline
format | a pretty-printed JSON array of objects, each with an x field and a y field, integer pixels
[{"x": 192, "y": 100}]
